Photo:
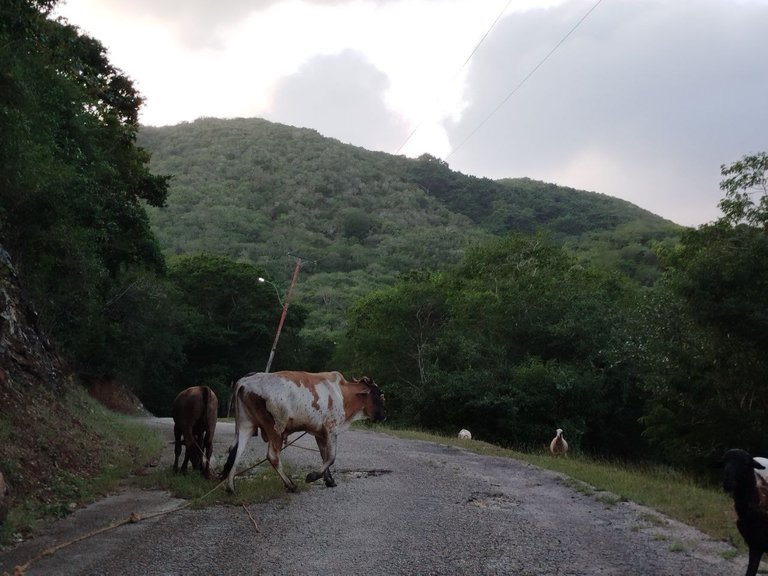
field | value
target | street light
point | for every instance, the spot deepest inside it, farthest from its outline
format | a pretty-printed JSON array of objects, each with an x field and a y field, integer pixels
[{"x": 277, "y": 292}]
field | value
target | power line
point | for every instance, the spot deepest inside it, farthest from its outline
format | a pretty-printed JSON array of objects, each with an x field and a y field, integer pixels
[
  {"x": 459, "y": 70},
  {"x": 524, "y": 80}
]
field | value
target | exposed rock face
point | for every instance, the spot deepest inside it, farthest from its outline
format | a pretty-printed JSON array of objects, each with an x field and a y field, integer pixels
[
  {"x": 40, "y": 439},
  {"x": 3, "y": 497},
  {"x": 26, "y": 356}
]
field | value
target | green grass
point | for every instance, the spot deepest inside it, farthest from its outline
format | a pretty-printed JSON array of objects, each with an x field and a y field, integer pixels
[
  {"x": 123, "y": 447},
  {"x": 255, "y": 485},
  {"x": 129, "y": 445},
  {"x": 258, "y": 485},
  {"x": 670, "y": 492}
]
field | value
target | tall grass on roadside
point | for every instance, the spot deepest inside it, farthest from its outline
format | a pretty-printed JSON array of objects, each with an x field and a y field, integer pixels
[
  {"x": 129, "y": 445},
  {"x": 123, "y": 447},
  {"x": 668, "y": 491}
]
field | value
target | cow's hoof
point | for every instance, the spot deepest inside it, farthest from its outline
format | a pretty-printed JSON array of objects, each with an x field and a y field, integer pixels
[
  {"x": 292, "y": 488},
  {"x": 330, "y": 483},
  {"x": 312, "y": 476}
]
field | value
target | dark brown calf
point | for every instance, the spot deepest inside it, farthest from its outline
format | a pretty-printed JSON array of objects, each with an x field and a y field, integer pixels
[{"x": 194, "y": 422}]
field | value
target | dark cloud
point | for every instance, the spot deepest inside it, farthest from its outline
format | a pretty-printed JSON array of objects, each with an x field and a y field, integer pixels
[
  {"x": 340, "y": 96},
  {"x": 663, "y": 91}
]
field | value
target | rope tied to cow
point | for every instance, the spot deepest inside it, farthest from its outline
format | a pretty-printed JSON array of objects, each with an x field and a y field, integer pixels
[{"x": 134, "y": 518}]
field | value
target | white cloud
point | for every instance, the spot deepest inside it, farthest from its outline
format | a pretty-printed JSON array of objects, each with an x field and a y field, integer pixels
[{"x": 644, "y": 101}]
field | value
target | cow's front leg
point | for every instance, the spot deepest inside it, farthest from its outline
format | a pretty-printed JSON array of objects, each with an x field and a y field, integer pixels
[
  {"x": 330, "y": 459},
  {"x": 273, "y": 455},
  {"x": 327, "y": 446}
]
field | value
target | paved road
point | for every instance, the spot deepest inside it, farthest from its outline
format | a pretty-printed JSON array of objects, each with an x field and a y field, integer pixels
[{"x": 402, "y": 507}]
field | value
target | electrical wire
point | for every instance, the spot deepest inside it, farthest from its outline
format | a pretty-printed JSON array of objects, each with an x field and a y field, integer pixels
[
  {"x": 525, "y": 79},
  {"x": 459, "y": 70}
]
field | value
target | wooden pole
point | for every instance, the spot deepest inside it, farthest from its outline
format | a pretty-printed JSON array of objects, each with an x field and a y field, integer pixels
[{"x": 286, "y": 302}]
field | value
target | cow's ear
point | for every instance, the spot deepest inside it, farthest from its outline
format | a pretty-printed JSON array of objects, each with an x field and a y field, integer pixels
[{"x": 756, "y": 465}]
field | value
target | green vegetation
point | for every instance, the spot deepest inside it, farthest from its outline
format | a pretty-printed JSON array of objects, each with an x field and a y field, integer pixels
[
  {"x": 513, "y": 343},
  {"x": 252, "y": 190},
  {"x": 510, "y": 307},
  {"x": 98, "y": 465},
  {"x": 259, "y": 485},
  {"x": 73, "y": 186},
  {"x": 223, "y": 322}
]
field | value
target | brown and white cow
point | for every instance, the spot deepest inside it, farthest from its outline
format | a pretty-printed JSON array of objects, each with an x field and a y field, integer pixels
[
  {"x": 194, "y": 423},
  {"x": 558, "y": 446},
  {"x": 281, "y": 403}
]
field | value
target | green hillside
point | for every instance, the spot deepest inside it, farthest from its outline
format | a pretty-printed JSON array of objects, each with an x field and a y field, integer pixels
[
  {"x": 258, "y": 191},
  {"x": 474, "y": 321}
]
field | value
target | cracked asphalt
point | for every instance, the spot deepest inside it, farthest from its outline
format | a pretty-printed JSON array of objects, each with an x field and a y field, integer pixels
[{"x": 402, "y": 507}]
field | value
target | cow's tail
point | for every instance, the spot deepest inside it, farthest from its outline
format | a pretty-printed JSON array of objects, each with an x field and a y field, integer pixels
[{"x": 233, "y": 449}]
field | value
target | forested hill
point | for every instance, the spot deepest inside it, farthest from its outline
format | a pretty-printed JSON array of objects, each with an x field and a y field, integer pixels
[{"x": 255, "y": 190}]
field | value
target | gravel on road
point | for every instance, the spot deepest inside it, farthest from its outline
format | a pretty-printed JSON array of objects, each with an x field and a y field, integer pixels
[{"x": 402, "y": 507}]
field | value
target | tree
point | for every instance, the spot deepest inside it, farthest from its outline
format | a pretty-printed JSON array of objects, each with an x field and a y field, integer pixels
[
  {"x": 742, "y": 180},
  {"x": 513, "y": 343},
  {"x": 708, "y": 342},
  {"x": 229, "y": 325},
  {"x": 72, "y": 181},
  {"x": 391, "y": 337}
]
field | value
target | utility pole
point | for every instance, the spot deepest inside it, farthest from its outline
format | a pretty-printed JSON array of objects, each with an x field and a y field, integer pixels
[{"x": 299, "y": 262}]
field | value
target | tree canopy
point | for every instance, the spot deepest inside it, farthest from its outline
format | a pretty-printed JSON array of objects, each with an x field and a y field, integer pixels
[
  {"x": 255, "y": 190},
  {"x": 74, "y": 190},
  {"x": 517, "y": 340},
  {"x": 708, "y": 349},
  {"x": 73, "y": 183}
]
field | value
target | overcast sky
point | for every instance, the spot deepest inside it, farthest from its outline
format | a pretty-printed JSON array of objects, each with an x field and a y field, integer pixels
[{"x": 638, "y": 99}]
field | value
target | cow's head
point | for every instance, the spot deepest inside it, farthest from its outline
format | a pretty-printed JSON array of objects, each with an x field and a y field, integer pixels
[
  {"x": 738, "y": 470},
  {"x": 373, "y": 399}
]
